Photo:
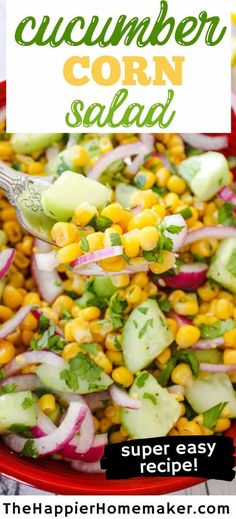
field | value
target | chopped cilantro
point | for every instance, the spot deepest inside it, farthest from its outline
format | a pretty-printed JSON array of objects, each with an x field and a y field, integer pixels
[
  {"x": 115, "y": 239},
  {"x": 81, "y": 367},
  {"x": 117, "y": 344},
  {"x": 65, "y": 313},
  {"x": 140, "y": 180},
  {"x": 225, "y": 214},
  {"x": 159, "y": 190},
  {"x": 84, "y": 244},
  {"x": 29, "y": 450},
  {"x": 186, "y": 213},
  {"x": 102, "y": 223},
  {"x": 49, "y": 340},
  {"x": 175, "y": 229},
  {"x": 140, "y": 381},
  {"x": 91, "y": 347},
  {"x": 21, "y": 429},
  {"x": 143, "y": 330},
  {"x": 2, "y": 374},
  {"x": 7, "y": 388},
  {"x": 27, "y": 402},
  {"x": 231, "y": 265},
  {"x": 164, "y": 304},
  {"x": 211, "y": 416},
  {"x": 135, "y": 323},
  {"x": 151, "y": 397},
  {"x": 43, "y": 323},
  {"x": 187, "y": 356},
  {"x": 216, "y": 329},
  {"x": 117, "y": 308}
]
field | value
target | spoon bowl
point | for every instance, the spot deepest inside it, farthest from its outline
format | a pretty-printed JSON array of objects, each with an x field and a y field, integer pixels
[{"x": 25, "y": 194}]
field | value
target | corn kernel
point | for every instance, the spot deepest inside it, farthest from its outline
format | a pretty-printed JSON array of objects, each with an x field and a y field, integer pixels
[
  {"x": 186, "y": 427},
  {"x": 162, "y": 176},
  {"x": 80, "y": 330},
  {"x": 230, "y": 338},
  {"x": 7, "y": 351},
  {"x": 12, "y": 298},
  {"x": 105, "y": 425},
  {"x": 187, "y": 335},
  {"x": 95, "y": 241},
  {"x": 64, "y": 233},
  {"x": 205, "y": 248},
  {"x": 224, "y": 309},
  {"x": 62, "y": 302},
  {"x": 122, "y": 376},
  {"x": 182, "y": 374},
  {"x": 116, "y": 358},
  {"x": 32, "y": 298},
  {"x": 5, "y": 313},
  {"x": 146, "y": 199},
  {"x": 47, "y": 403},
  {"x": 146, "y": 218},
  {"x": 113, "y": 211},
  {"x": 83, "y": 214},
  {"x": 113, "y": 414},
  {"x": 222, "y": 425},
  {"x": 164, "y": 356},
  {"x": 229, "y": 356},
  {"x": 29, "y": 323},
  {"x": 172, "y": 201},
  {"x": 148, "y": 238},
  {"x": 140, "y": 279},
  {"x": 69, "y": 336},
  {"x": 113, "y": 341},
  {"x": 176, "y": 184},
  {"x": 173, "y": 325},
  {"x": 113, "y": 264},
  {"x": 168, "y": 262},
  {"x": 131, "y": 244},
  {"x": 71, "y": 350},
  {"x": 79, "y": 156},
  {"x": 144, "y": 179},
  {"x": 121, "y": 281},
  {"x": 116, "y": 437},
  {"x": 35, "y": 168},
  {"x": 208, "y": 292}
]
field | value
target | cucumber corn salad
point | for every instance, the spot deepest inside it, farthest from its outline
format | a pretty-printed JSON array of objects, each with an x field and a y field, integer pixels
[{"x": 125, "y": 327}]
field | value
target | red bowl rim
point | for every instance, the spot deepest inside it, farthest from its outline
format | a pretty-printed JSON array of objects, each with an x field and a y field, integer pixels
[{"x": 39, "y": 474}]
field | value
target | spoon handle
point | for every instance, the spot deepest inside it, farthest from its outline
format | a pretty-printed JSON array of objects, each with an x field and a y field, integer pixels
[{"x": 13, "y": 183}]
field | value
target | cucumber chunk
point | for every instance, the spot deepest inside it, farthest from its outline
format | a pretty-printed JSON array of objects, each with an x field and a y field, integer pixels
[
  {"x": 209, "y": 356},
  {"x": 205, "y": 174},
  {"x": 158, "y": 413},
  {"x": 123, "y": 193},
  {"x": 221, "y": 269},
  {"x": 210, "y": 390},
  {"x": 50, "y": 377},
  {"x": 146, "y": 334},
  {"x": 12, "y": 412},
  {"x": 30, "y": 142},
  {"x": 64, "y": 161},
  {"x": 103, "y": 287},
  {"x": 70, "y": 190}
]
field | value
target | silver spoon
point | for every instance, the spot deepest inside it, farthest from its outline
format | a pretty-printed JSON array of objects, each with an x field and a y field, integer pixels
[{"x": 25, "y": 194}]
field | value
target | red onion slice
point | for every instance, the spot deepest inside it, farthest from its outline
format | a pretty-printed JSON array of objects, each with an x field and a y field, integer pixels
[
  {"x": 121, "y": 152},
  {"x": 98, "y": 255},
  {"x": 56, "y": 440},
  {"x": 135, "y": 165},
  {"x": 10, "y": 325},
  {"x": 178, "y": 239},
  {"x": 136, "y": 210},
  {"x": 180, "y": 319},
  {"x": 208, "y": 344},
  {"x": 218, "y": 368},
  {"x": 164, "y": 159},
  {"x": 227, "y": 195},
  {"x": 219, "y": 232},
  {"x": 49, "y": 284},
  {"x": 23, "y": 382},
  {"x": 44, "y": 425},
  {"x": 122, "y": 399},
  {"x": 34, "y": 357},
  {"x": 95, "y": 270},
  {"x": 148, "y": 140},
  {"x": 204, "y": 142},
  {"x": 97, "y": 401},
  {"x": 190, "y": 276},
  {"x": 88, "y": 468},
  {"x": 6, "y": 259},
  {"x": 46, "y": 261},
  {"x": 82, "y": 442}
]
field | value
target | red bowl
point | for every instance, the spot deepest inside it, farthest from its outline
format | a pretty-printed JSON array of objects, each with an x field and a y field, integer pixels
[{"x": 58, "y": 477}]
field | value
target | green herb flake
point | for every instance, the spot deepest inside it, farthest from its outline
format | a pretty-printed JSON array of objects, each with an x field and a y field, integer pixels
[
  {"x": 7, "y": 388},
  {"x": 150, "y": 397},
  {"x": 27, "y": 402},
  {"x": 65, "y": 313},
  {"x": 175, "y": 229},
  {"x": 2, "y": 374},
  {"x": 91, "y": 348},
  {"x": 81, "y": 367},
  {"x": 149, "y": 323},
  {"x": 216, "y": 329},
  {"x": 117, "y": 308},
  {"x": 135, "y": 323},
  {"x": 43, "y": 323},
  {"x": 29, "y": 450},
  {"x": 164, "y": 304},
  {"x": 187, "y": 356},
  {"x": 225, "y": 214},
  {"x": 102, "y": 223},
  {"x": 84, "y": 244},
  {"x": 211, "y": 416},
  {"x": 49, "y": 340},
  {"x": 231, "y": 265},
  {"x": 117, "y": 344},
  {"x": 21, "y": 429},
  {"x": 186, "y": 213},
  {"x": 115, "y": 239},
  {"x": 140, "y": 381}
]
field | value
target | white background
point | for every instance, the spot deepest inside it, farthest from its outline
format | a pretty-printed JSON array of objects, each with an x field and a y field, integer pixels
[{"x": 39, "y": 97}]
